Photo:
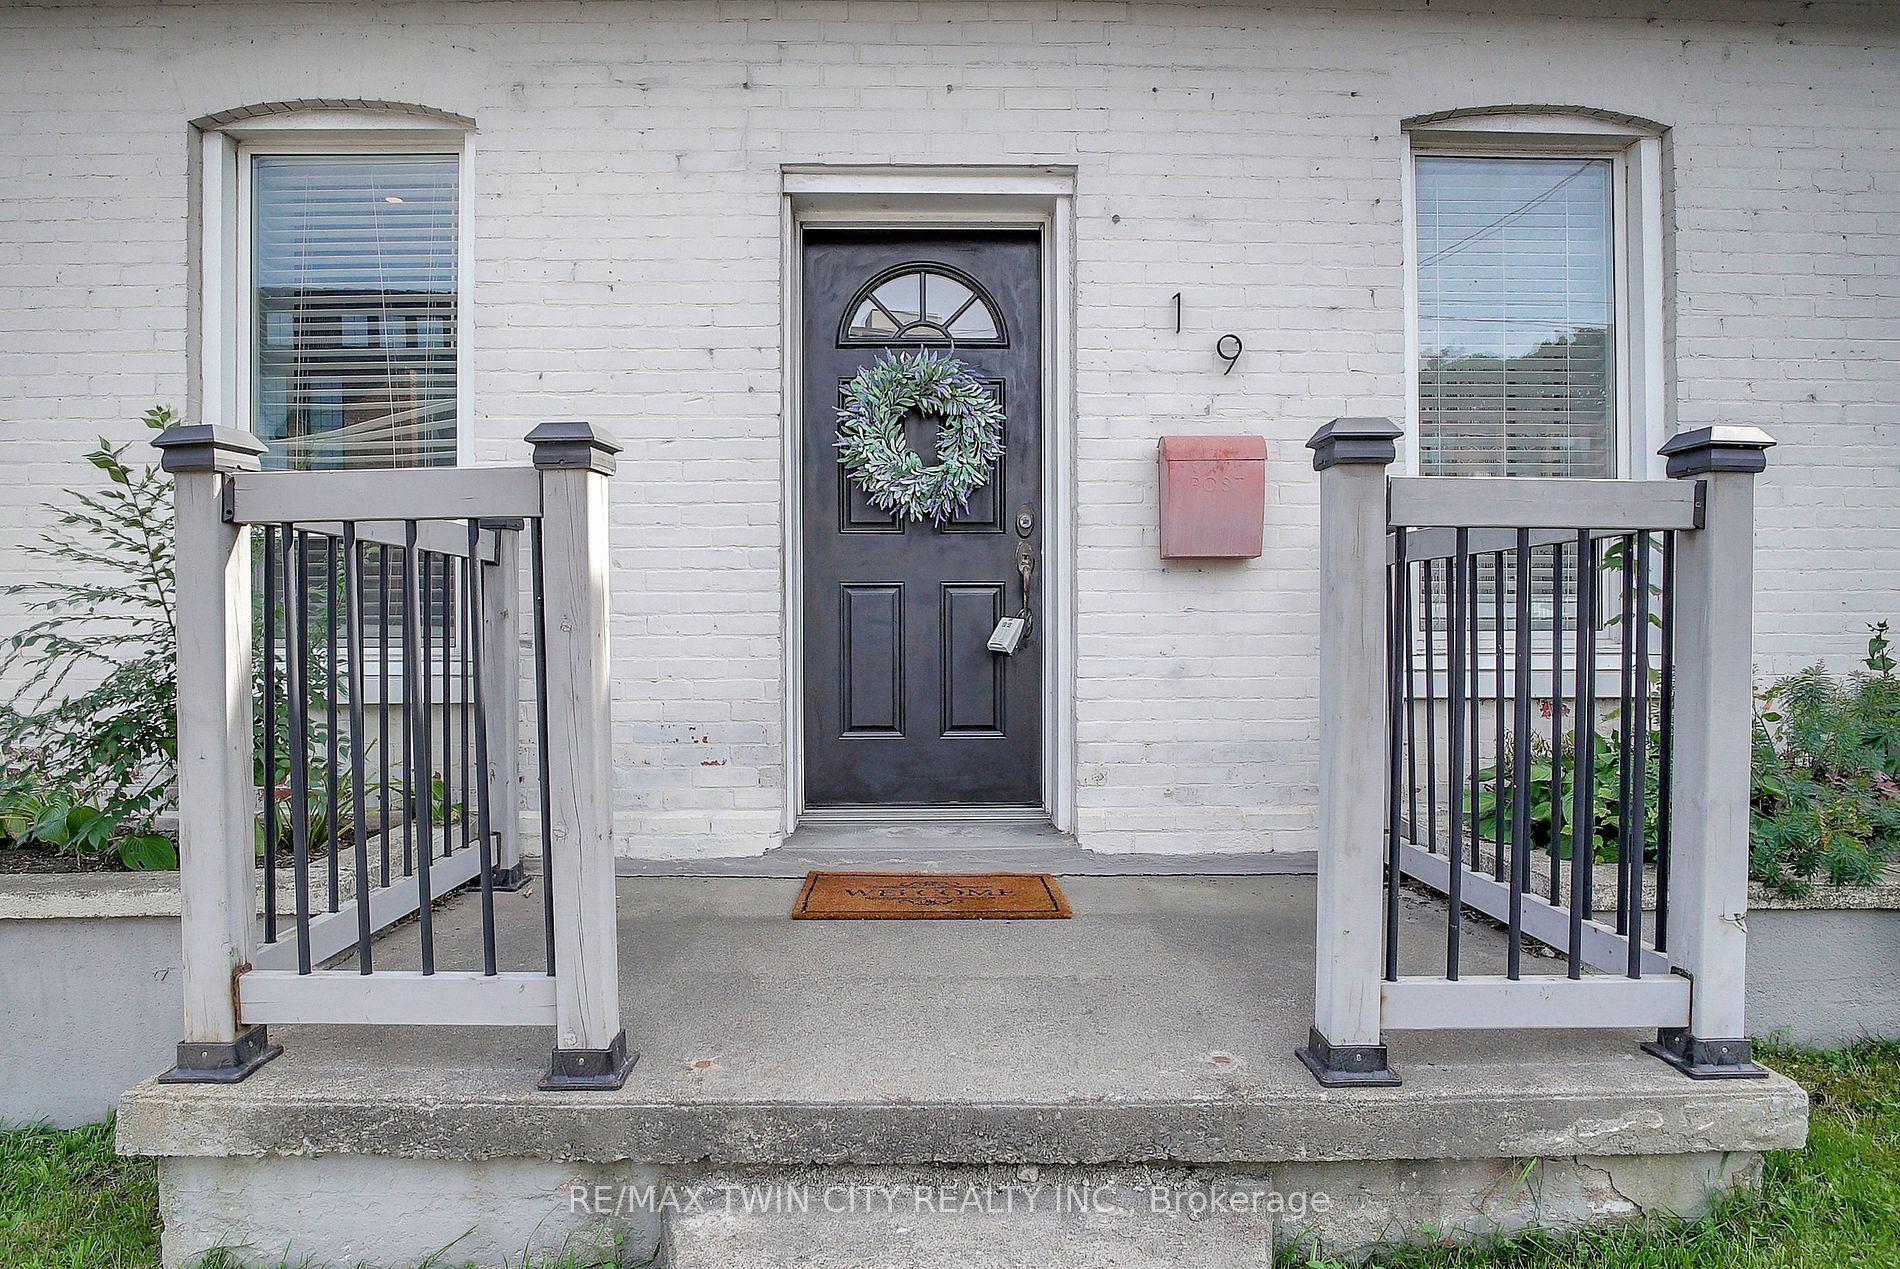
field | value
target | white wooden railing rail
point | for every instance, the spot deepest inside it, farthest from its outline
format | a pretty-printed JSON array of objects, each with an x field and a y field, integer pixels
[
  {"x": 1467, "y": 629},
  {"x": 442, "y": 652}
]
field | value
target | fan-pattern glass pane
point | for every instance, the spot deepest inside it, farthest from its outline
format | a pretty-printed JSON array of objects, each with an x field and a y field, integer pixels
[
  {"x": 871, "y": 322},
  {"x": 354, "y": 272},
  {"x": 1516, "y": 317},
  {"x": 975, "y": 323},
  {"x": 923, "y": 304},
  {"x": 903, "y": 298},
  {"x": 944, "y": 298}
]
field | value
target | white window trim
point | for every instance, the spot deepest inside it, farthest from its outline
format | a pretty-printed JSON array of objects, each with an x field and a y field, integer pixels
[
  {"x": 1637, "y": 236},
  {"x": 226, "y": 325}
]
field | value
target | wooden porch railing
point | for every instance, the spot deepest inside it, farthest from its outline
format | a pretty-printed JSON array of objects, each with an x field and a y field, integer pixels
[
  {"x": 389, "y": 677},
  {"x": 1490, "y": 646}
]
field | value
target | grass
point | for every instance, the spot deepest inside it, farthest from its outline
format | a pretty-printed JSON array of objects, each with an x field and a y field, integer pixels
[
  {"x": 68, "y": 1202},
  {"x": 1836, "y": 1203}
]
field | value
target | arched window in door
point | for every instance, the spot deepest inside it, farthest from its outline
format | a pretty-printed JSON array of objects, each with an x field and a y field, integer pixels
[{"x": 923, "y": 304}]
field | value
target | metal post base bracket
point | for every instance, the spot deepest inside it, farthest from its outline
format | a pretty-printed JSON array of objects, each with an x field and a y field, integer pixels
[
  {"x": 1346, "y": 1065},
  {"x": 222, "y": 1063},
  {"x": 597, "y": 1069},
  {"x": 1701, "y": 1059},
  {"x": 511, "y": 878}
]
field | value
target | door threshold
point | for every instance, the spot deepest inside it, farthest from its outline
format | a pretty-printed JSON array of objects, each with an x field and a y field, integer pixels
[
  {"x": 961, "y": 847},
  {"x": 874, "y": 815}
]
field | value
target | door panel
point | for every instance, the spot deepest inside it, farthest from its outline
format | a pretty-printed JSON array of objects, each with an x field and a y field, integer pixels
[
  {"x": 974, "y": 681},
  {"x": 904, "y": 703},
  {"x": 872, "y": 669}
]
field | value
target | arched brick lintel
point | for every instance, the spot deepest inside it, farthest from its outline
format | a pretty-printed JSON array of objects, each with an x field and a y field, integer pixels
[
  {"x": 1633, "y": 122},
  {"x": 303, "y": 105}
]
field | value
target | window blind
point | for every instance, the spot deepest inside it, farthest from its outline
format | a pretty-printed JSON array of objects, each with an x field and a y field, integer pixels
[
  {"x": 1516, "y": 317},
  {"x": 353, "y": 267}
]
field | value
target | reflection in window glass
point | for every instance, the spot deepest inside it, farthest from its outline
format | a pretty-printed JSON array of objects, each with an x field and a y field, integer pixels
[
  {"x": 974, "y": 322},
  {"x": 872, "y": 322},
  {"x": 902, "y": 298},
  {"x": 1516, "y": 317},
  {"x": 353, "y": 270},
  {"x": 944, "y": 298}
]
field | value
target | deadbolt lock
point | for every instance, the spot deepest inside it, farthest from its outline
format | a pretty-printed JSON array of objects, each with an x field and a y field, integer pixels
[{"x": 1025, "y": 522}]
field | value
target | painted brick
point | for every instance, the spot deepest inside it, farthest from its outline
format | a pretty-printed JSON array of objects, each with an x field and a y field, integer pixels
[{"x": 628, "y": 270}]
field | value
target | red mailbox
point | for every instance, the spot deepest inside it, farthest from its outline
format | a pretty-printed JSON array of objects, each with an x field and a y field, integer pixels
[{"x": 1213, "y": 496}]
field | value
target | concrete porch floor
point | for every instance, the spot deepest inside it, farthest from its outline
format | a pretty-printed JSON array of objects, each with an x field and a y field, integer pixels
[{"x": 1156, "y": 1029}]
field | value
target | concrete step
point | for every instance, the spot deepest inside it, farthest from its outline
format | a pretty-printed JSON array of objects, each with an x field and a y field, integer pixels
[{"x": 965, "y": 1218}]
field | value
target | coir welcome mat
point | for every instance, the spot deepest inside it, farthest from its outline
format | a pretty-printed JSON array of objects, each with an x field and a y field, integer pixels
[{"x": 941, "y": 896}]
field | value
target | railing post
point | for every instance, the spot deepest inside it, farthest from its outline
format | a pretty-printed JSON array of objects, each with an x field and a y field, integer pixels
[
  {"x": 501, "y": 701},
  {"x": 217, "y": 848},
  {"x": 1344, "y": 1047},
  {"x": 591, "y": 1047},
  {"x": 1713, "y": 716}
]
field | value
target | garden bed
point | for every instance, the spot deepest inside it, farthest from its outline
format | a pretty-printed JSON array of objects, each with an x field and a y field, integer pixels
[
  {"x": 1824, "y": 967},
  {"x": 90, "y": 1002}
]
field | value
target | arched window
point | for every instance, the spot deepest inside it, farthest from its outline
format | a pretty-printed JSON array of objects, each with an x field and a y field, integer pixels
[{"x": 922, "y": 304}]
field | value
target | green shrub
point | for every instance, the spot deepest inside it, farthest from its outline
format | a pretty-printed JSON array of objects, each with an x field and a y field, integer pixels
[
  {"x": 1495, "y": 805},
  {"x": 1826, "y": 801},
  {"x": 89, "y": 768}
]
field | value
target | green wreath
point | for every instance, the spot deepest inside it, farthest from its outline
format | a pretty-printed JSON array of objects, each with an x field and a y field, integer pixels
[{"x": 874, "y": 453}]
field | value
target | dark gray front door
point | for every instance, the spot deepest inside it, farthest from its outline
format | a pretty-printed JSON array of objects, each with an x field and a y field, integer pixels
[{"x": 904, "y": 703}]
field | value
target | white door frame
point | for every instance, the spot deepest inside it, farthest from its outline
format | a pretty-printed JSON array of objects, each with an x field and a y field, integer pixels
[{"x": 1039, "y": 198}]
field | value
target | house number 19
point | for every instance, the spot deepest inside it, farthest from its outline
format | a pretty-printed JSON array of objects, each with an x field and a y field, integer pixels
[{"x": 1228, "y": 347}]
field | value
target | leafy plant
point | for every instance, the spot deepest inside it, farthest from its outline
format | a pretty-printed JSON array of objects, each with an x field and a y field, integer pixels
[
  {"x": 92, "y": 730},
  {"x": 1496, "y": 803},
  {"x": 1826, "y": 796},
  {"x": 322, "y": 834}
]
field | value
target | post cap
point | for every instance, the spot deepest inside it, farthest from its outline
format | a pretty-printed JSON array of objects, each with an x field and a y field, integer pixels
[
  {"x": 1360, "y": 440},
  {"x": 203, "y": 447},
  {"x": 1722, "y": 447},
  {"x": 573, "y": 446}
]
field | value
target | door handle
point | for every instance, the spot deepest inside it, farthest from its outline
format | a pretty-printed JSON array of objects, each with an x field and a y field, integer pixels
[
  {"x": 1026, "y": 565},
  {"x": 1011, "y": 631}
]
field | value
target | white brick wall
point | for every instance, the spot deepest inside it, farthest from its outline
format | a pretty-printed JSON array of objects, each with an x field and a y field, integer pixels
[{"x": 628, "y": 271}]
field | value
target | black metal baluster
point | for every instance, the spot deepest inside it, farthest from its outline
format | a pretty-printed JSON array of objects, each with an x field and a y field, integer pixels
[
  {"x": 1665, "y": 736},
  {"x": 1520, "y": 759},
  {"x": 1474, "y": 703},
  {"x": 353, "y": 629},
  {"x": 449, "y": 804},
  {"x": 1583, "y": 746},
  {"x": 541, "y": 743},
  {"x": 1460, "y": 581},
  {"x": 1497, "y": 731},
  {"x": 382, "y": 694},
  {"x": 416, "y": 697},
  {"x": 442, "y": 606},
  {"x": 1556, "y": 721},
  {"x": 1431, "y": 712},
  {"x": 410, "y": 694},
  {"x": 1627, "y": 705},
  {"x": 332, "y": 777},
  {"x": 471, "y": 614},
  {"x": 472, "y": 598},
  {"x": 1411, "y": 712},
  {"x": 1395, "y": 739},
  {"x": 269, "y": 781},
  {"x": 297, "y": 654},
  {"x": 1639, "y": 756}
]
